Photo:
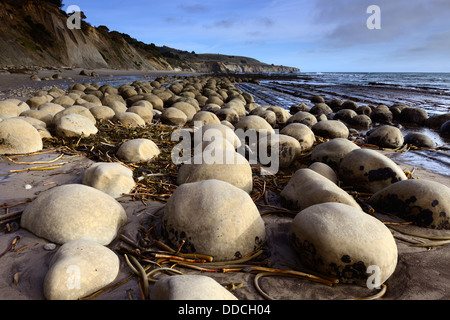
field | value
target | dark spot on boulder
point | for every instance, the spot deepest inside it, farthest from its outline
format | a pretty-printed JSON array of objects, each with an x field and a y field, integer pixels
[
  {"x": 442, "y": 214},
  {"x": 346, "y": 258},
  {"x": 412, "y": 199},
  {"x": 361, "y": 168},
  {"x": 383, "y": 174},
  {"x": 238, "y": 255},
  {"x": 434, "y": 203}
]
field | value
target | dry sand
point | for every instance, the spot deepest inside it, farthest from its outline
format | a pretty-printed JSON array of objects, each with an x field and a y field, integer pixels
[{"x": 421, "y": 273}]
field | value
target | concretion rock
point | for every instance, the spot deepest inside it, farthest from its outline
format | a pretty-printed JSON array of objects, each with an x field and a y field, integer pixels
[
  {"x": 302, "y": 133},
  {"x": 173, "y": 116},
  {"x": 189, "y": 287},
  {"x": 361, "y": 122},
  {"x": 212, "y": 131},
  {"x": 138, "y": 150},
  {"x": 386, "y": 136},
  {"x": 9, "y": 109},
  {"x": 130, "y": 119},
  {"x": 369, "y": 171},
  {"x": 79, "y": 110},
  {"x": 343, "y": 242},
  {"x": 214, "y": 218},
  {"x": 303, "y": 117},
  {"x": 330, "y": 129},
  {"x": 102, "y": 113},
  {"x": 289, "y": 148},
  {"x": 79, "y": 268},
  {"x": 41, "y": 115},
  {"x": 227, "y": 114},
  {"x": 345, "y": 115},
  {"x": 17, "y": 136},
  {"x": 205, "y": 117},
  {"x": 419, "y": 140},
  {"x": 324, "y": 170},
  {"x": 220, "y": 164},
  {"x": 112, "y": 178},
  {"x": 255, "y": 123},
  {"x": 52, "y": 108},
  {"x": 187, "y": 108},
  {"x": 282, "y": 114},
  {"x": 332, "y": 151},
  {"x": 144, "y": 112},
  {"x": 413, "y": 115},
  {"x": 424, "y": 202},
  {"x": 308, "y": 187},
  {"x": 74, "y": 125},
  {"x": 321, "y": 108},
  {"x": 74, "y": 212}
]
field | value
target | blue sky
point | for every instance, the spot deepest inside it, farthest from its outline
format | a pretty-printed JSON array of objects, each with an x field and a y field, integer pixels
[{"x": 313, "y": 35}]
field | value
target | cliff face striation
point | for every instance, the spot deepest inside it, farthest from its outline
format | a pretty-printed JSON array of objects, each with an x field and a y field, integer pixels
[{"x": 35, "y": 33}]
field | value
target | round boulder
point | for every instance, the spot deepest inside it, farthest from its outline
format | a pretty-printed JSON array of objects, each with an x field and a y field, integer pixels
[
  {"x": 361, "y": 122},
  {"x": 288, "y": 148},
  {"x": 413, "y": 116},
  {"x": 332, "y": 151},
  {"x": 17, "y": 136},
  {"x": 189, "y": 287},
  {"x": 256, "y": 123},
  {"x": 214, "y": 218},
  {"x": 386, "y": 136},
  {"x": 330, "y": 129},
  {"x": 303, "y": 117},
  {"x": 129, "y": 119},
  {"x": 369, "y": 171},
  {"x": 302, "y": 133},
  {"x": 74, "y": 125},
  {"x": 324, "y": 170},
  {"x": 138, "y": 150},
  {"x": 343, "y": 242},
  {"x": 74, "y": 212},
  {"x": 308, "y": 187},
  {"x": 78, "y": 269},
  {"x": 220, "y": 164},
  {"x": 419, "y": 140},
  {"x": 424, "y": 202},
  {"x": 173, "y": 116},
  {"x": 112, "y": 178}
]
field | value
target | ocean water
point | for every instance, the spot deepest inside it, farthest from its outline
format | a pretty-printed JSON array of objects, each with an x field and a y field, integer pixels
[{"x": 430, "y": 91}]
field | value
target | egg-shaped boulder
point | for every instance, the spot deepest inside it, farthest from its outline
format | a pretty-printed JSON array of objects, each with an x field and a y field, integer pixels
[
  {"x": 214, "y": 218},
  {"x": 112, "y": 178},
  {"x": 369, "y": 170},
  {"x": 343, "y": 242},
  {"x": 332, "y": 151},
  {"x": 17, "y": 136},
  {"x": 386, "y": 136},
  {"x": 308, "y": 187},
  {"x": 330, "y": 129},
  {"x": 74, "y": 212},
  {"x": 424, "y": 202},
  {"x": 80, "y": 268},
  {"x": 189, "y": 287}
]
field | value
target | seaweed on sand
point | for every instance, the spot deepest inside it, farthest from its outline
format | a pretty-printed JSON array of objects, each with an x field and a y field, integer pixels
[{"x": 155, "y": 179}]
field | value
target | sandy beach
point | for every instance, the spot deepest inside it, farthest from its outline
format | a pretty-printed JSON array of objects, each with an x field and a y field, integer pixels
[{"x": 422, "y": 273}]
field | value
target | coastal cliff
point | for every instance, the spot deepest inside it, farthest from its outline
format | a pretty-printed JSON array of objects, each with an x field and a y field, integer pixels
[{"x": 35, "y": 33}]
